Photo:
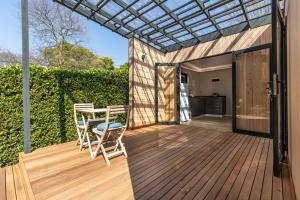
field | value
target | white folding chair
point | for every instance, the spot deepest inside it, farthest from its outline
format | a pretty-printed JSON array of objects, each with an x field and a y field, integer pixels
[
  {"x": 81, "y": 125},
  {"x": 114, "y": 129}
]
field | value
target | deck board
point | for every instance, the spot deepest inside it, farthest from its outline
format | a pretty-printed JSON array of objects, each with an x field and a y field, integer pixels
[
  {"x": 2, "y": 184},
  {"x": 165, "y": 162}
]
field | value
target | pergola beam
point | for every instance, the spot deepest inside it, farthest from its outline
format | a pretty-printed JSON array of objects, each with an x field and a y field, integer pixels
[
  {"x": 245, "y": 13},
  {"x": 25, "y": 70}
]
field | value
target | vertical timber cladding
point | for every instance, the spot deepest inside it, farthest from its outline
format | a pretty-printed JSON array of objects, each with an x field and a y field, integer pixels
[
  {"x": 293, "y": 67},
  {"x": 142, "y": 59},
  {"x": 244, "y": 40},
  {"x": 252, "y": 99},
  {"x": 167, "y": 106}
]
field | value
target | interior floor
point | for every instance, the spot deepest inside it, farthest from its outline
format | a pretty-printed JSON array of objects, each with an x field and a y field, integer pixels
[{"x": 217, "y": 123}]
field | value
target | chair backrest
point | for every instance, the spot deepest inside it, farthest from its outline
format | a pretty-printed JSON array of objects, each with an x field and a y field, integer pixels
[
  {"x": 79, "y": 106},
  {"x": 114, "y": 111}
]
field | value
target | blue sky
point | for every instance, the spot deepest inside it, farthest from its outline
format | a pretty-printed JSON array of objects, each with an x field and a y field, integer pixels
[{"x": 98, "y": 39}]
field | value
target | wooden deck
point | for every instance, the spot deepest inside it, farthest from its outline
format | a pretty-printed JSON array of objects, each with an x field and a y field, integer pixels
[{"x": 165, "y": 162}]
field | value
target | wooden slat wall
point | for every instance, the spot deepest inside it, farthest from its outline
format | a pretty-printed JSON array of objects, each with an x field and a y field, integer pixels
[
  {"x": 141, "y": 72},
  {"x": 141, "y": 82},
  {"x": 253, "y": 107},
  {"x": 294, "y": 90},
  {"x": 243, "y": 40},
  {"x": 167, "y": 94}
]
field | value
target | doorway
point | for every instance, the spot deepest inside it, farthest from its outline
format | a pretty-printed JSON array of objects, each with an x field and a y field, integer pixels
[{"x": 209, "y": 91}]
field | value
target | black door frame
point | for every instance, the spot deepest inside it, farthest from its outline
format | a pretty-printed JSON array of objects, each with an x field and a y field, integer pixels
[
  {"x": 178, "y": 72},
  {"x": 271, "y": 71}
]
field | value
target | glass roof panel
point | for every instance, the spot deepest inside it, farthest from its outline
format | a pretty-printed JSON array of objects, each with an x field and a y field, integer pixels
[
  {"x": 140, "y": 4},
  {"x": 210, "y": 2},
  {"x": 205, "y": 31},
  {"x": 184, "y": 32},
  {"x": 168, "y": 43},
  {"x": 185, "y": 37},
  {"x": 173, "y": 24},
  {"x": 189, "y": 12},
  {"x": 163, "y": 39},
  {"x": 136, "y": 23},
  {"x": 253, "y": 6},
  {"x": 95, "y": 2},
  {"x": 173, "y": 4},
  {"x": 202, "y": 26},
  {"x": 112, "y": 8},
  {"x": 155, "y": 35},
  {"x": 154, "y": 13},
  {"x": 233, "y": 21},
  {"x": 229, "y": 16},
  {"x": 260, "y": 12},
  {"x": 173, "y": 28},
  {"x": 148, "y": 29},
  {"x": 195, "y": 19},
  {"x": 224, "y": 8},
  {"x": 169, "y": 21}
]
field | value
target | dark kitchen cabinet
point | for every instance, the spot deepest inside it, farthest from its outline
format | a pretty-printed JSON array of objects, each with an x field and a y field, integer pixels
[{"x": 211, "y": 105}]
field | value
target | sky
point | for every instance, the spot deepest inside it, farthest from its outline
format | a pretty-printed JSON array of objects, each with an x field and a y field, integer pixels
[{"x": 100, "y": 40}]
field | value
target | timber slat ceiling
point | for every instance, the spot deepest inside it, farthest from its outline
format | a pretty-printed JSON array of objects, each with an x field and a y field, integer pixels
[{"x": 169, "y": 25}]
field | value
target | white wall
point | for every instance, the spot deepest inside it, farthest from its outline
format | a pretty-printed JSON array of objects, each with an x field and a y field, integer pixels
[{"x": 200, "y": 84}]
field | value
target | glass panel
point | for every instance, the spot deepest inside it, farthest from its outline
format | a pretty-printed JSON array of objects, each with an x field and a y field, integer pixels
[{"x": 252, "y": 99}]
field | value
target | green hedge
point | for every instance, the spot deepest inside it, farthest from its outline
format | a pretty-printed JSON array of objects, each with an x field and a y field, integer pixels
[{"x": 53, "y": 93}]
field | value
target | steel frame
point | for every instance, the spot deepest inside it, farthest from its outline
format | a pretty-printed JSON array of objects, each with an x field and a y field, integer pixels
[{"x": 156, "y": 31}]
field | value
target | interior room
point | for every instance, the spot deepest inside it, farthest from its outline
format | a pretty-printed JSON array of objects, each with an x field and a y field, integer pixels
[{"x": 206, "y": 86}]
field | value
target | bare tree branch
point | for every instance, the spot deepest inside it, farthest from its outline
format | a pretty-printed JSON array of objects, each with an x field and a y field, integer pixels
[{"x": 52, "y": 24}]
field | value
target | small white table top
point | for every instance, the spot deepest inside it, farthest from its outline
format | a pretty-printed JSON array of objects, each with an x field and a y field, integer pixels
[{"x": 91, "y": 111}]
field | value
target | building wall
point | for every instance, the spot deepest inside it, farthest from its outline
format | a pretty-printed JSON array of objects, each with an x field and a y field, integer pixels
[
  {"x": 200, "y": 84},
  {"x": 141, "y": 70},
  {"x": 294, "y": 90},
  {"x": 243, "y": 40},
  {"x": 142, "y": 59}
]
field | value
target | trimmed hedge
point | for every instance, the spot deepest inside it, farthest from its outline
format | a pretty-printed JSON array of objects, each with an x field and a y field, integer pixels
[{"x": 52, "y": 95}]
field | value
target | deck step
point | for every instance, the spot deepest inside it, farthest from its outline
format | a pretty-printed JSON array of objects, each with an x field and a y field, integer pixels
[
  {"x": 2, "y": 184},
  {"x": 14, "y": 183},
  {"x": 25, "y": 179}
]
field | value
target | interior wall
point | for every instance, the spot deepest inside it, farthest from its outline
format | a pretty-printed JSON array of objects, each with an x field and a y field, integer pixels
[
  {"x": 200, "y": 84},
  {"x": 142, "y": 59},
  {"x": 293, "y": 36},
  {"x": 243, "y": 40}
]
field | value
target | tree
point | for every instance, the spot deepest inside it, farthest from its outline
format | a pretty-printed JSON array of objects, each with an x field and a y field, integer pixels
[
  {"x": 75, "y": 57},
  {"x": 124, "y": 67},
  {"x": 10, "y": 58},
  {"x": 53, "y": 25},
  {"x": 108, "y": 63}
]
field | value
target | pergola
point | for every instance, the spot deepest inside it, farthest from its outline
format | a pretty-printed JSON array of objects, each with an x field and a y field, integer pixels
[{"x": 167, "y": 25}]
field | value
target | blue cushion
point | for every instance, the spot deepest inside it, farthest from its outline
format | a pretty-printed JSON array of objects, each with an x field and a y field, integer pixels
[
  {"x": 92, "y": 122},
  {"x": 81, "y": 123},
  {"x": 111, "y": 125}
]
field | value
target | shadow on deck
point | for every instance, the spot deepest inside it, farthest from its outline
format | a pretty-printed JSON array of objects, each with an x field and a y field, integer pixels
[{"x": 164, "y": 162}]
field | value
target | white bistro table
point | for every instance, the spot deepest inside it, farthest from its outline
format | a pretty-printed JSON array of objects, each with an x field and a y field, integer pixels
[{"x": 90, "y": 121}]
